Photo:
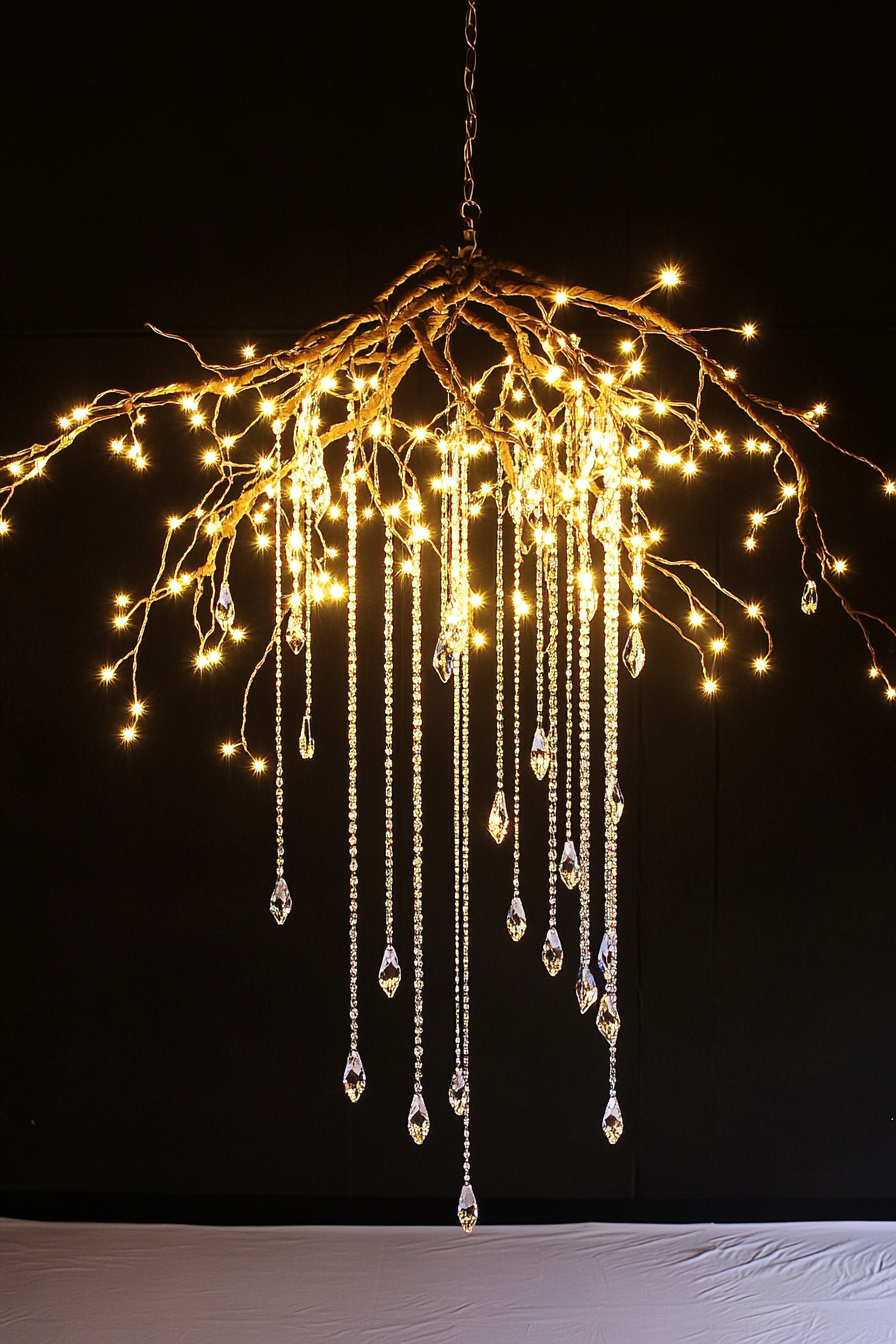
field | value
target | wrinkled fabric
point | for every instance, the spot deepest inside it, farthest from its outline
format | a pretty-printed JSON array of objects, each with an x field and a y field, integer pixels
[{"x": 587, "y": 1283}]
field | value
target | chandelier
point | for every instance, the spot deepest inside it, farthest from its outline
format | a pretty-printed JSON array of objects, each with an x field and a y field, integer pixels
[{"x": 541, "y": 454}]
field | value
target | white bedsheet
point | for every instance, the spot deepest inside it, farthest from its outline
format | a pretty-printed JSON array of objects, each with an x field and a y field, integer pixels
[{"x": 586, "y": 1283}]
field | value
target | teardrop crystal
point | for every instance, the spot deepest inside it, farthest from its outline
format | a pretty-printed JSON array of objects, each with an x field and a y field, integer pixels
[
  {"x": 617, "y": 803},
  {"x": 390, "y": 972},
  {"x": 552, "y": 952},
  {"x": 498, "y": 818},
  {"x": 539, "y": 756},
  {"x": 516, "y": 919},
  {"x": 608, "y": 1017},
  {"x": 586, "y": 988},
  {"x": 281, "y": 901},
  {"x": 224, "y": 610},
  {"x": 809, "y": 601},
  {"x": 418, "y": 1119},
  {"x": 467, "y": 1208},
  {"x": 590, "y": 603},
  {"x": 634, "y": 653},
  {"x": 354, "y": 1080},
  {"x": 295, "y": 632},
  {"x": 458, "y": 1096},
  {"x": 306, "y": 741},
  {"x": 570, "y": 868},
  {"x": 606, "y": 957},
  {"x": 443, "y": 658},
  {"x": 612, "y": 1123}
]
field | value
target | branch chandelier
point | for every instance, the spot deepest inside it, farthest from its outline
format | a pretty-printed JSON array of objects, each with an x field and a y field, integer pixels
[{"x": 553, "y": 449}]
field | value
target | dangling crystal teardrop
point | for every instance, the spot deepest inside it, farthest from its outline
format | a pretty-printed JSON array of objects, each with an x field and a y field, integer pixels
[
  {"x": 617, "y": 803},
  {"x": 390, "y": 972},
  {"x": 606, "y": 957},
  {"x": 569, "y": 868},
  {"x": 498, "y": 818},
  {"x": 295, "y": 632},
  {"x": 458, "y": 1096},
  {"x": 418, "y": 1119},
  {"x": 590, "y": 603},
  {"x": 608, "y": 1017},
  {"x": 612, "y": 1122},
  {"x": 306, "y": 741},
  {"x": 443, "y": 658},
  {"x": 467, "y": 1208},
  {"x": 281, "y": 901},
  {"x": 540, "y": 755},
  {"x": 516, "y": 919},
  {"x": 224, "y": 609},
  {"x": 809, "y": 601},
  {"x": 354, "y": 1080},
  {"x": 634, "y": 653},
  {"x": 586, "y": 988},
  {"x": 552, "y": 952}
]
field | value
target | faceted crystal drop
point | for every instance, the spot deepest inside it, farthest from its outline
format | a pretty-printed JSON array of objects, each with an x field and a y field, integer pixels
[
  {"x": 586, "y": 988},
  {"x": 617, "y": 803},
  {"x": 552, "y": 952},
  {"x": 295, "y": 633},
  {"x": 590, "y": 604},
  {"x": 467, "y": 1208},
  {"x": 224, "y": 608},
  {"x": 516, "y": 919},
  {"x": 281, "y": 901},
  {"x": 418, "y": 1119},
  {"x": 606, "y": 957},
  {"x": 354, "y": 1080},
  {"x": 539, "y": 756},
  {"x": 634, "y": 653},
  {"x": 443, "y": 658},
  {"x": 612, "y": 1119},
  {"x": 458, "y": 1095},
  {"x": 390, "y": 972},
  {"x": 809, "y": 602},
  {"x": 608, "y": 1017},
  {"x": 569, "y": 865},
  {"x": 498, "y": 818},
  {"x": 306, "y": 741}
]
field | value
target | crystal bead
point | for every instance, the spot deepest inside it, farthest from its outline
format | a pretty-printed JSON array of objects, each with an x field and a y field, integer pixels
[
  {"x": 418, "y": 1119},
  {"x": 612, "y": 1123},
  {"x": 224, "y": 611},
  {"x": 606, "y": 957},
  {"x": 458, "y": 1096},
  {"x": 569, "y": 868},
  {"x": 540, "y": 755},
  {"x": 586, "y": 988},
  {"x": 281, "y": 901},
  {"x": 295, "y": 633},
  {"x": 443, "y": 658},
  {"x": 354, "y": 1080},
  {"x": 608, "y": 1017},
  {"x": 467, "y": 1208},
  {"x": 809, "y": 601},
  {"x": 617, "y": 803},
  {"x": 390, "y": 972},
  {"x": 306, "y": 741},
  {"x": 552, "y": 952},
  {"x": 498, "y": 818},
  {"x": 516, "y": 919},
  {"x": 634, "y": 653}
]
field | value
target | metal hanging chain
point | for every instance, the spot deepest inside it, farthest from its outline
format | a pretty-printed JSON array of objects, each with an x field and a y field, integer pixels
[{"x": 469, "y": 210}]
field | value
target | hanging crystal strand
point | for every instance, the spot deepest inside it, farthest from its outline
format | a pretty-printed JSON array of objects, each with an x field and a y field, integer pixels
[
  {"x": 569, "y": 859},
  {"x": 443, "y": 657},
  {"x": 458, "y": 1093},
  {"x": 281, "y": 901},
  {"x": 499, "y": 819},
  {"x": 468, "y": 1210},
  {"x": 633, "y": 655},
  {"x": 586, "y": 988},
  {"x": 354, "y": 1078},
  {"x": 552, "y": 952},
  {"x": 539, "y": 756},
  {"x": 390, "y": 971},
  {"x": 457, "y": 1086},
  {"x": 516, "y": 915},
  {"x": 418, "y": 1116},
  {"x": 608, "y": 1016},
  {"x": 306, "y": 741}
]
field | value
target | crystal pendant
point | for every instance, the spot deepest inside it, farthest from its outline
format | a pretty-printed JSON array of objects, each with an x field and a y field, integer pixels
[
  {"x": 281, "y": 901},
  {"x": 224, "y": 608},
  {"x": 295, "y": 633},
  {"x": 467, "y": 1208},
  {"x": 498, "y": 818},
  {"x": 809, "y": 601},
  {"x": 516, "y": 919},
  {"x": 458, "y": 1096},
  {"x": 306, "y": 741},
  {"x": 354, "y": 1080},
  {"x": 390, "y": 972},
  {"x": 590, "y": 604},
  {"x": 552, "y": 952},
  {"x": 634, "y": 653},
  {"x": 612, "y": 1123},
  {"x": 586, "y": 988},
  {"x": 606, "y": 957},
  {"x": 418, "y": 1119},
  {"x": 569, "y": 865},
  {"x": 617, "y": 803},
  {"x": 608, "y": 1017},
  {"x": 443, "y": 658},
  {"x": 539, "y": 756}
]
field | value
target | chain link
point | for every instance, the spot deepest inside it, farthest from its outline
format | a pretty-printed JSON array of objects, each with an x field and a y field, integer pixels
[{"x": 469, "y": 210}]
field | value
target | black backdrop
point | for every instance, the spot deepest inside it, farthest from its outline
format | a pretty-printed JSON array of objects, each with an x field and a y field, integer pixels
[{"x": 167, "y": 1050}]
